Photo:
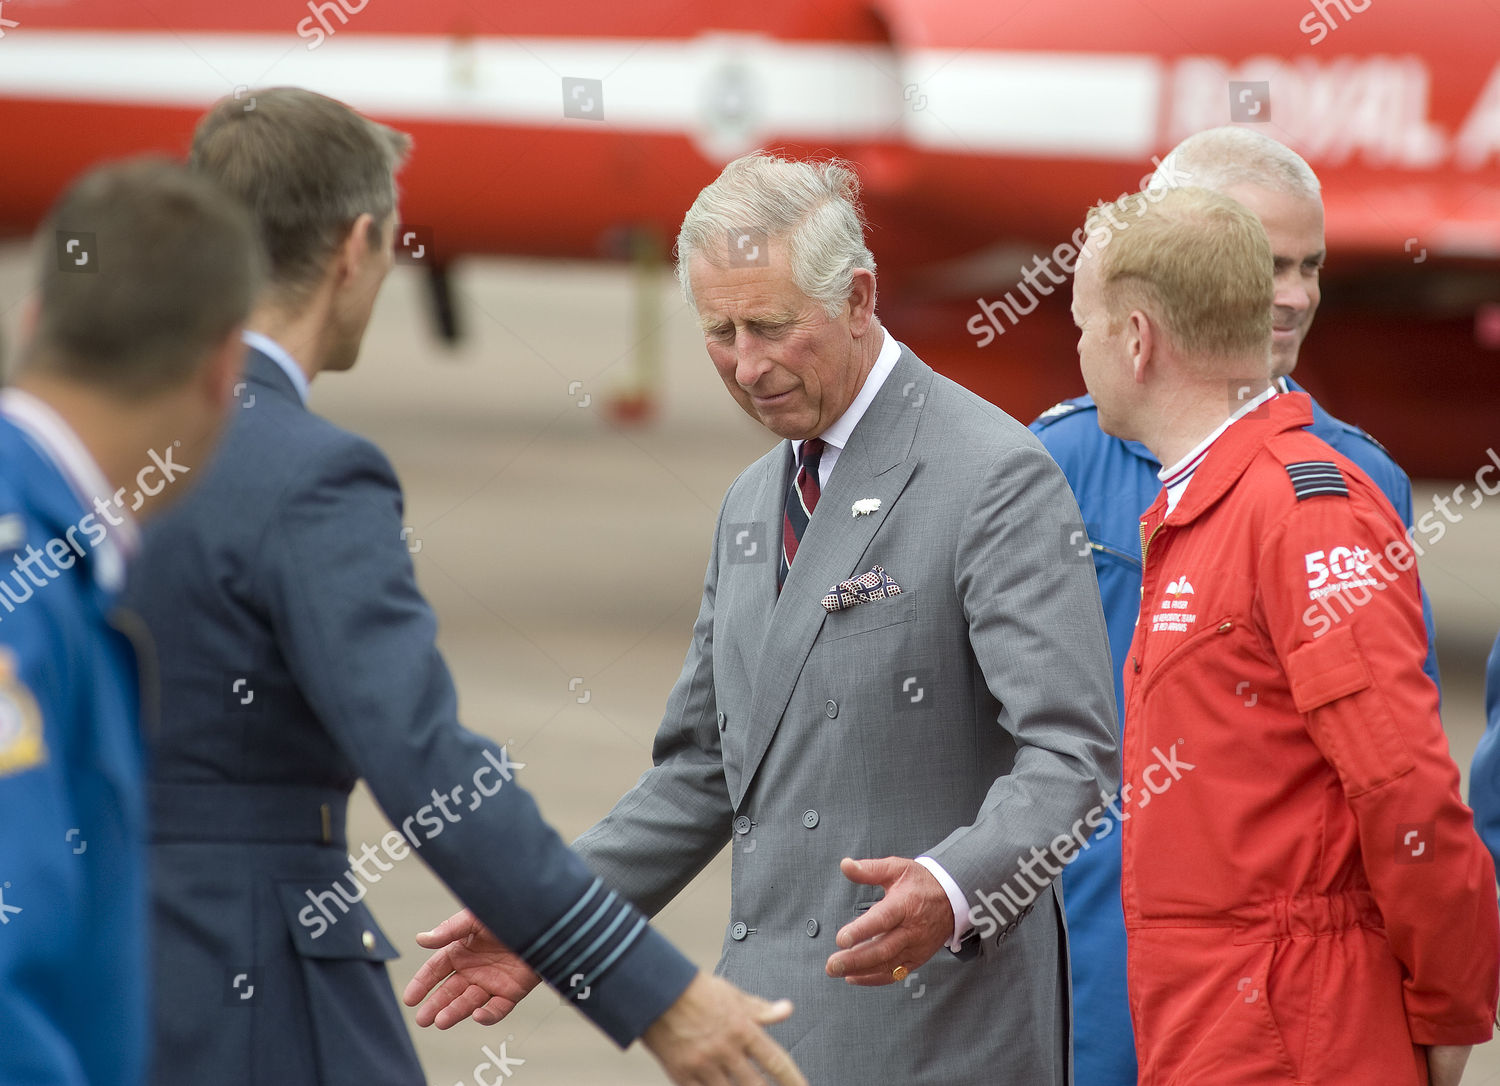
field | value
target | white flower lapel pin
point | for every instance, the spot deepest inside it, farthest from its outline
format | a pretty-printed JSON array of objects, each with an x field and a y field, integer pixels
[{"x": 865, "y": 506}]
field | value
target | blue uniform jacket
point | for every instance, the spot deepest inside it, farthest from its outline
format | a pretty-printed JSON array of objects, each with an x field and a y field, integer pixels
[
  {"x": 1484, "y": 774},
  {"x": 1115, "y": 482},
  {"x": 296, "y": 656},
  {"x": 73, "y": 974}
]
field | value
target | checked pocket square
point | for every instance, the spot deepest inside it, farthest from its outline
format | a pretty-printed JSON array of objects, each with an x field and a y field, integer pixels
[{"x": 875, "y": 584}]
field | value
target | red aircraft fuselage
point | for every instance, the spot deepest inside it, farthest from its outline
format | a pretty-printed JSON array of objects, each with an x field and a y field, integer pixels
[{"x": 981, "y": 132}]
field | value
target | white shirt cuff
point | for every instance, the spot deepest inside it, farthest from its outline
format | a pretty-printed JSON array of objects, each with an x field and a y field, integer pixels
[{"x": 961, "y": 922}]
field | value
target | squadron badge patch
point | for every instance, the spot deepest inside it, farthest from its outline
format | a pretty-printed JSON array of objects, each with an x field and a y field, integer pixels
[{"x": 21, "y": 745}]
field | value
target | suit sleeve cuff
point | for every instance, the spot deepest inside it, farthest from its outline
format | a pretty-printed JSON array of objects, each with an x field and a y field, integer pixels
[
  {"x": 605, "y": 957},
  {"x": 961, "y": 924}
]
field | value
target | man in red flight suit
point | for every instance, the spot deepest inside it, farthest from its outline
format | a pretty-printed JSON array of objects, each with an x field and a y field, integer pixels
[{"x": 1306, "y": 900}]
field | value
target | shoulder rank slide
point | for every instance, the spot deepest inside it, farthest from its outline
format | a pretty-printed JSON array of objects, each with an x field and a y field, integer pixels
[
  {"x": 1057, "y": 411},
  {"x": 1313, "y": 477}
]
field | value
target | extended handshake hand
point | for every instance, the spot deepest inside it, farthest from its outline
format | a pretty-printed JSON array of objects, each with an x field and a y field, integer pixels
[
  {"x": 472, "y": 974},
  {"x": 713, "y": 1034}
]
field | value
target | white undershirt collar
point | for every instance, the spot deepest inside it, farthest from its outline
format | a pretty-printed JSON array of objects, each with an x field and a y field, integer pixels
[{"x": 1177, "y": 477}]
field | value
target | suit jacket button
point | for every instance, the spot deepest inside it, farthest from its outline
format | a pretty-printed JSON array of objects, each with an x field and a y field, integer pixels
[
  {"x": 810, "y": 819},
  {"x": 812, "y": 929},
  {"x": 742, "y": 824},
  {"x": 831, "y": 707},
  {"x": 367, "y": 940},
  {"x": 738, "y": 932},
  {"x": 721, "y": 721}
]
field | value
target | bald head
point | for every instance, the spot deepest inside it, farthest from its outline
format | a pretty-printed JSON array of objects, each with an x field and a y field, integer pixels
[
  {"x": 1227, "y": 157},
  {"x": 1278, "y": 185}
]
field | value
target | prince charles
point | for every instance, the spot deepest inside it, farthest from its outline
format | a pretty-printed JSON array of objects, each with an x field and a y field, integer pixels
[{"x": 898, "y": 690}]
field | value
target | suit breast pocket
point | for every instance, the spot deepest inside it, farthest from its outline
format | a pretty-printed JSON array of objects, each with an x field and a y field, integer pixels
[{"x": 865, "y": 617}]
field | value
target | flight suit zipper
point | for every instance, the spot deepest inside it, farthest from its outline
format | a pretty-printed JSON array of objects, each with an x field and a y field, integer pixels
[
  {"x": 1146, "y": 545},
  {"x": 1135, "y": 661}
]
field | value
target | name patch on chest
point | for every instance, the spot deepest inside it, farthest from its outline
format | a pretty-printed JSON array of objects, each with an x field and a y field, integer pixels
[{"x": 1174, "y": 612}]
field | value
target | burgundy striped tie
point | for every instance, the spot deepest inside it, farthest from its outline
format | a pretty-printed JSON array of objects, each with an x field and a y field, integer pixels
[{"x": 801, "y": 500}]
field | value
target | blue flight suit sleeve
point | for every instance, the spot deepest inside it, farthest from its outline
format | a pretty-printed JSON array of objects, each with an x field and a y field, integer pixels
[
  {"x": 360, "y": 640},
  {"x": 1484, "y": 774}
]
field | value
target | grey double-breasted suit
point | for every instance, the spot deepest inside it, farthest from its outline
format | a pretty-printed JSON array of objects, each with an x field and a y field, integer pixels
[{"x": 969, "y": 718}]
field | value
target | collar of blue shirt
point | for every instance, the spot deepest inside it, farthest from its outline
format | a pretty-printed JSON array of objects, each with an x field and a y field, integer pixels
[{"x": 279, "y": 354}]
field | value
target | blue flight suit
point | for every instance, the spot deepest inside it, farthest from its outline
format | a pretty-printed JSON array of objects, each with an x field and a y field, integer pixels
[
  {"x": 1115, "y": 482},
  {"x": 1484, "y": 774},
  {"x": 73, "y": 961}
]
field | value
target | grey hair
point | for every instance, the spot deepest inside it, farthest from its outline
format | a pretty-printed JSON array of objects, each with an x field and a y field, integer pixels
[
  {"x": 812, "y": 206},
  {"x": 1220, "y": 158}
]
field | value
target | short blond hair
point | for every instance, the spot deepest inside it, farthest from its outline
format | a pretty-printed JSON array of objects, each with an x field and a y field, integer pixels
[{"x": 1197, "y": 261}]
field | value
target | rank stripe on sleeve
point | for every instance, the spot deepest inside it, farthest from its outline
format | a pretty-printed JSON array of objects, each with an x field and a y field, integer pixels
[{"x": 1311, "y": 478}]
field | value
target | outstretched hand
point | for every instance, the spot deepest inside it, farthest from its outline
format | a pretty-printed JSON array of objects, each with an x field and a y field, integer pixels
[
  {"x": 713, "y": 1034},
  {"x": 905, "y": 928},
  {"x": 472, "y": 974}
]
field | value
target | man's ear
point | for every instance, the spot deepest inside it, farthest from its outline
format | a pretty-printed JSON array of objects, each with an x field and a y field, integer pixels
[
  {"x": 1141, "y": 343},
  {"x": 861, "y": 301},
  {"x": 359, "y": 245}
]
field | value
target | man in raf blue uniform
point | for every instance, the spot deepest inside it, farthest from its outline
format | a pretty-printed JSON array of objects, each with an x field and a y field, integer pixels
[
  {"x": 131, "y": 357},
  {"x": 1115, "y": 481},
  {"x": 297, "y": 656}
]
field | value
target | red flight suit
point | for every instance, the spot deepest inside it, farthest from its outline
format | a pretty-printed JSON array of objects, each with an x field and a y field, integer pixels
[{"x": 1306, "y": 900}]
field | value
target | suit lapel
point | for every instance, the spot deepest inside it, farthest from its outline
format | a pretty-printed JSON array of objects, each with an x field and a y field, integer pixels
[
  {"x": 768, "y": 510},
  {"x": 876, "y": 463}
]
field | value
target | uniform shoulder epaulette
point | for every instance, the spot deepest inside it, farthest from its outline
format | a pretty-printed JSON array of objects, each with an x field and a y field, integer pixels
[
  {"x": 1365, "y": 435},
  {"x": 1311, "y": 478},
  {"x": 1061, "y": 410}
]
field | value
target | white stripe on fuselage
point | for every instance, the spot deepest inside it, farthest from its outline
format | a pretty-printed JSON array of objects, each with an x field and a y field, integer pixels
[{"x": 728, "y": 92}]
